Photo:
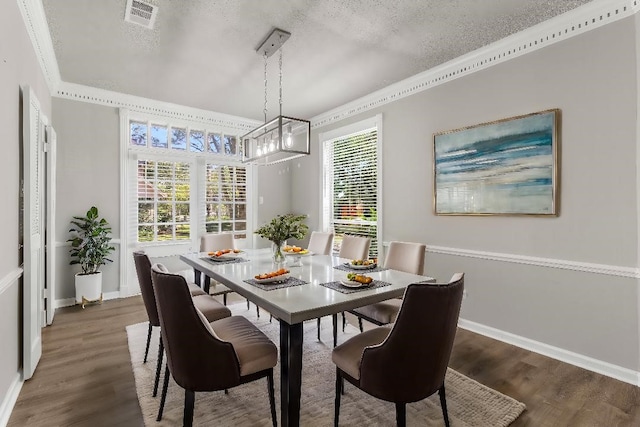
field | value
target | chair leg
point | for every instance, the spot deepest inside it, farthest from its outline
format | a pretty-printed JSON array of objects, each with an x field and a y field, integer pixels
[
  {"x": 258, "y": 311},
  {"x": 163, "y": 398},
  {"x": 443, "y": 404},
  {"x": 189, "y": 401},
  {"x": 224, "y": 299},
  {"x": 334, "y": 317},
  {"x": 146, "y": 351},
  {"x": 344, "y": 321},
  {"x": 401, "y": 414},
  {"x": 158, "y": 368},
  {"x": 318, "y": 321},
  {"x": 247, "y": 304},
  {"x": 272, "y": 399},
  {"x": 360, "y": 324},
  {"x": 339, "y": 391}
]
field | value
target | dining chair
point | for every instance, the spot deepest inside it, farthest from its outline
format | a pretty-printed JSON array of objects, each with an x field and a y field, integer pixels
[
  {"x": 212, "y": 242},
  {"x": 320, "y": 242},
  {"x": 211, "y": 308},
  {"x": 407, "y": 361},
  {"x": 354, "y": 247},
  {"x": 208, "y": 356},
  {"x": 402, "y": 256}
]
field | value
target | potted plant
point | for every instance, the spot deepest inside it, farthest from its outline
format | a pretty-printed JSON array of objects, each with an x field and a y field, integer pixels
[
  {"x": 281, "y": 228},
  {"x": 90, "y": 248}
]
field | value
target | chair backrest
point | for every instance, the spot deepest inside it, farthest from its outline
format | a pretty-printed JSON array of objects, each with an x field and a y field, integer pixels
[
  {"x": 197, "y": 360},
  {"x": 354, "y": 247},
  {"x": 411, "y": 363},
  {"x": 143, "y": 270},
  {"x": 405, "y": 256},
  {"x": 216, "y": 242},
  {"x": 320, "y": 242}
]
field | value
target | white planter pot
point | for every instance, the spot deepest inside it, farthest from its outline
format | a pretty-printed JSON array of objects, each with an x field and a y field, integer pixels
[{"x": 89, "y": 287}]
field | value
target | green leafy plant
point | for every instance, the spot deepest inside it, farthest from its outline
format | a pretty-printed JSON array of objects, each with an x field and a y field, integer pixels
[
  {"x": 284, "y": 227},
  {"x": 90, "y": 241}
]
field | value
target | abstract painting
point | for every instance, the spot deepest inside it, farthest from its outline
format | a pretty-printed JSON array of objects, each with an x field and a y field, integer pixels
[{"x": 506, "y": 167}]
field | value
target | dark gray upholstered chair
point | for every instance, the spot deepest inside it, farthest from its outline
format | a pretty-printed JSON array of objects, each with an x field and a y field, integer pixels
[
  {"x": 203, "y": 356},
  {"x": 402, "y": 256},
  {"x": 211, "y": 308},
  {"x": 407, "y": 361}
]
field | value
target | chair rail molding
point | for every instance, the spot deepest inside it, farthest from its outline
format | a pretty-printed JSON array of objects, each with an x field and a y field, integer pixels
[
  {"x": 9, "y": 279},
  {"x": 609, "y": 270},
  {"x": 577, "y": 21}
]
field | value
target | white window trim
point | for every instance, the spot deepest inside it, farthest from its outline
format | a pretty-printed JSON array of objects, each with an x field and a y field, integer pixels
[
  {"x": 343, "y": 132},
  {"x": 128, "y": 278}
]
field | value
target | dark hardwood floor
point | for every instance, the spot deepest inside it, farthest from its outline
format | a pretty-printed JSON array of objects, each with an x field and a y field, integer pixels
[{"x": 84, "y": 377}]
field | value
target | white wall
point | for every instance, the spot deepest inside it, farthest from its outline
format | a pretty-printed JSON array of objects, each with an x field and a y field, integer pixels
[
  {"x": 592, "y": 78},
  {"x": 18, "y": 66}
]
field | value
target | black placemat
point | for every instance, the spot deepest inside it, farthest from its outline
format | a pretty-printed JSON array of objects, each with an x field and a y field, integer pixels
[
  {"x": 344, "y": 267},
  {"x": 291, "y": 281},
  {"x": 226, "y": 261},
  {"x": 337, "y": 286}
]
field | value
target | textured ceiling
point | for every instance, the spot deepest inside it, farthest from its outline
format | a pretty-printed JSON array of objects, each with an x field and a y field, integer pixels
[{"x": 201, "y": 53}]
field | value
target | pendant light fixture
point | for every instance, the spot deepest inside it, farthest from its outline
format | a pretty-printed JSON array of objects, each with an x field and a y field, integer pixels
[{"x": 283, "y": 138}]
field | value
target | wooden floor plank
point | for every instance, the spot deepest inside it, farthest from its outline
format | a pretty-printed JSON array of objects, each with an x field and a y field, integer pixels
[{"x": 84, "y": 377}]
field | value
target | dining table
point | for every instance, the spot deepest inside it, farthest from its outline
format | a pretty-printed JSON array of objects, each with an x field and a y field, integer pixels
[{"x": 315, "y": 288}]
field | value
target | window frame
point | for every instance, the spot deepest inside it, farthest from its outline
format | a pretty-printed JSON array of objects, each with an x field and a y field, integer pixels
[{"x": 326, "y": 206}]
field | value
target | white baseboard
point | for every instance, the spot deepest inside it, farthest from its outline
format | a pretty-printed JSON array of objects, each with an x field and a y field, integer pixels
[
  {"x": 605, "y": 368},
  {"x": 68, "y": 302},
  {"x": 10, "y": 399}
]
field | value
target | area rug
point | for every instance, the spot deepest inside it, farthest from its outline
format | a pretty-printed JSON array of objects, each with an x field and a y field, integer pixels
[{"x": 470, "y": 403}]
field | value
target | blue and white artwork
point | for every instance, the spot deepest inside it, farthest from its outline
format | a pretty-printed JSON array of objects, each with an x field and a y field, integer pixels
[{"x": 500, "y": 168}]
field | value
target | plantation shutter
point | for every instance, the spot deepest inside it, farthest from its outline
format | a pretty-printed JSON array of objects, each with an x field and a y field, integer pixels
[{"x": 351, "y": 186}]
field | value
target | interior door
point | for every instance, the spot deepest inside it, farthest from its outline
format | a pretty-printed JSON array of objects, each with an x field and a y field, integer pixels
[
  {"x": 50, "y": 247},
  {"x": 33, "y": 265}
]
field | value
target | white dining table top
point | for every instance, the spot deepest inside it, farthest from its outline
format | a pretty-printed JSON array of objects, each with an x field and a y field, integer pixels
[{"x": 296, "y": 304}]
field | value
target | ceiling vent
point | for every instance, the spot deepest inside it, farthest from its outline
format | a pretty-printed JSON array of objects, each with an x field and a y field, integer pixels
[{"x": 141, "y": 13}]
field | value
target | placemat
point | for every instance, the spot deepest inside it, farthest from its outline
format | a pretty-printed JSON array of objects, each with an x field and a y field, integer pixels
[
  {"x": 226, "y": 261},
  {"x": 291, "y": 281},
  {"x": 343, "y": 267},
  {"x": 337, "y": 286}
]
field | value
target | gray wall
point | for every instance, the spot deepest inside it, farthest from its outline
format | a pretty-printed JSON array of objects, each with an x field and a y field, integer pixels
[
  {"x": 88, "y": 175},
  {"x": 592, "y": 79},
  {"x": 18, "y": 66}
]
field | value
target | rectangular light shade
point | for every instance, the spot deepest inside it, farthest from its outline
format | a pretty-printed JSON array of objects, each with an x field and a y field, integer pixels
[{"x": 283, "y": 138}]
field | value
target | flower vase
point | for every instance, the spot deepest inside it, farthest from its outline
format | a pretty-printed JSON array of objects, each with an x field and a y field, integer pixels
[{"x": 278, "y": 255}]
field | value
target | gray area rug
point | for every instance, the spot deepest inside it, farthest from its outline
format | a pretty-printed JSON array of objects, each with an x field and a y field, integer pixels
[{"x": 469, "y": 402}]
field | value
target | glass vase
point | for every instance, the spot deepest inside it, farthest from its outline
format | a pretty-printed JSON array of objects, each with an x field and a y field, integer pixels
[{"x": 278, "y": 255}]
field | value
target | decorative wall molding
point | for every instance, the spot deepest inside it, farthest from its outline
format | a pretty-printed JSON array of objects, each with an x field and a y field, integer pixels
[
  {"x": 589, "y": 363},
  {"x": 35, "y": 22},
  {"x": 10, "y": 279},
  {"x": 224, "y": 122},
  {"x": 560, "y": 28},
  {"x": 577, "y": 21},
  {"x": 10, "y": 399},
  {"x": 609, "y": 270}
]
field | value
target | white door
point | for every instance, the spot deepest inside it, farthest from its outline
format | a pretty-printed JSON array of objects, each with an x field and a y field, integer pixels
[
  {"x": 50, "y": 281},
  {"x": 33, "y": 264}
]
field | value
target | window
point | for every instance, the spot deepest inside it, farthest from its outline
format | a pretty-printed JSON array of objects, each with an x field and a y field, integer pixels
[
  {"x": 351, "y": 202},
  {"x": 226, "y": 199},
  {"x": 164, "y": 197}
]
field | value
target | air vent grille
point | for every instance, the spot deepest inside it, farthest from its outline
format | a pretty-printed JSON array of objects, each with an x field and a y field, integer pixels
[{"x": 141, "y": 13}]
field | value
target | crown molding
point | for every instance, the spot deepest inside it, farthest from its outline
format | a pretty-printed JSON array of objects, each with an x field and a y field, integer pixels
[
  {"x": 577, "y": 21},
  {"x": 35, "y": 22},
  {"x": 153, "y": 107}
]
